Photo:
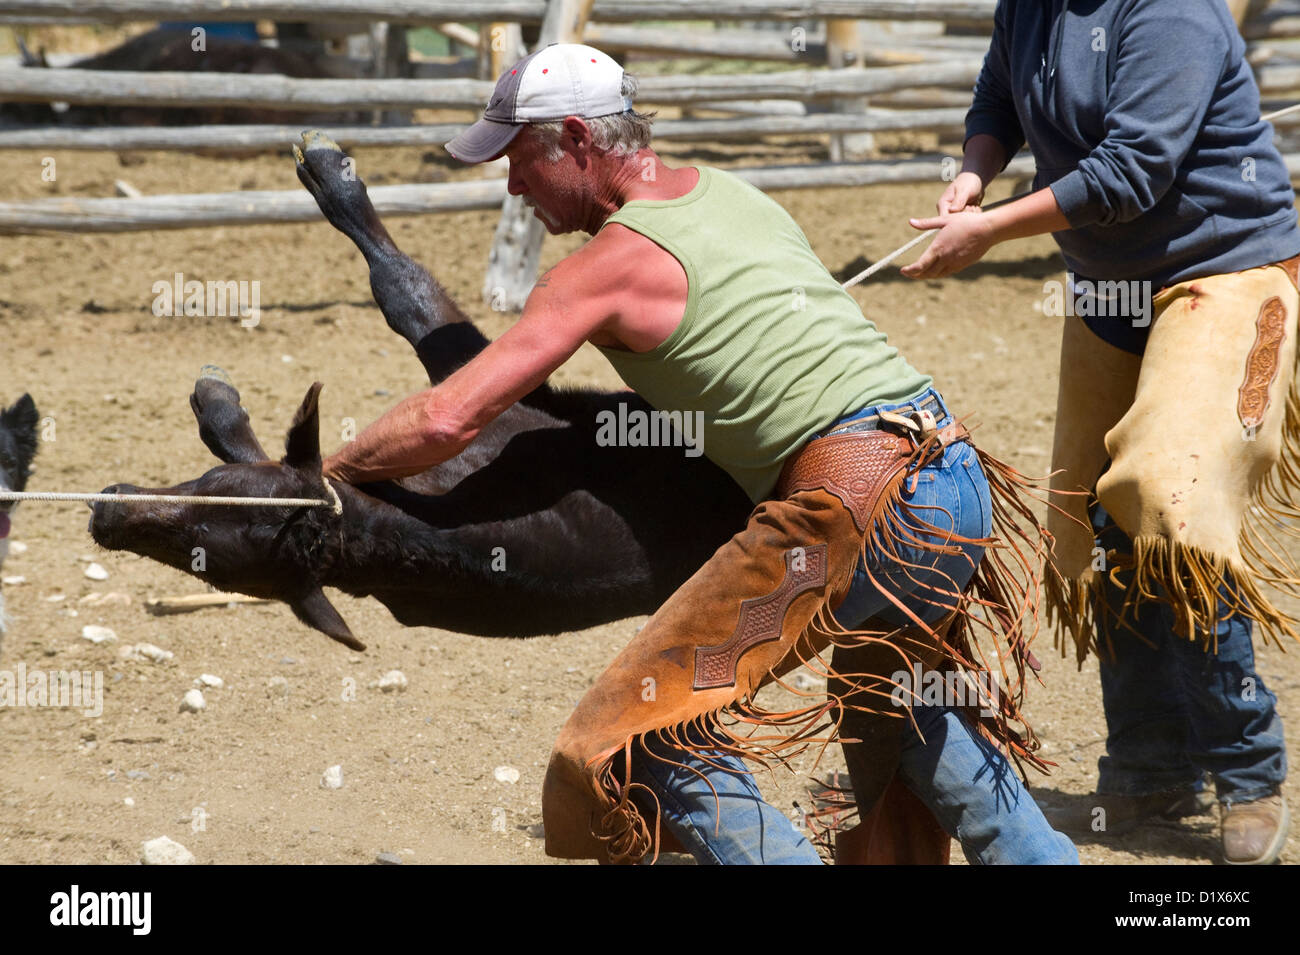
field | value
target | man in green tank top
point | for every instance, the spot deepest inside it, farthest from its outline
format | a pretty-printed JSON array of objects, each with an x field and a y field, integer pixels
[{"x": 707, "y": 299}]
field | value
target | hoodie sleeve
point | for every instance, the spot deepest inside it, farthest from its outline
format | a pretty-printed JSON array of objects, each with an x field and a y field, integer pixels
[
  {"x": 1169, "y": 60},
  {"x": 993, "y": 111}
]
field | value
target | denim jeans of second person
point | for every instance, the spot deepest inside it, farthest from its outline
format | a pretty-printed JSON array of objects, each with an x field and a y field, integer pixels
[
  {"x": 721, "y": 817},
  {"x": 1173, "y": 710}
]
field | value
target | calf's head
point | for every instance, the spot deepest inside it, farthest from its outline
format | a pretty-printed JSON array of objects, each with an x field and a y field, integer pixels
[{"x": 269, "y": 551}]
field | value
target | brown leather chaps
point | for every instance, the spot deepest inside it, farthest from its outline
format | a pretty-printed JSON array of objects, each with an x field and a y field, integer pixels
[{"x": 761, "y": 607}]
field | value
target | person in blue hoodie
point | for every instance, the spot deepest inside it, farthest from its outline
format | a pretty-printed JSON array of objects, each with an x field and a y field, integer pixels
[{"x": 1176, "y": 414}]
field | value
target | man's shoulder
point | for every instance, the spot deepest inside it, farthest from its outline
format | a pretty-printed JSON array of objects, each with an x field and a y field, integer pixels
[
  {"x": 615, "y": 241},
  {"x": 618, "y": 257},
  {"x": 731, "y": 180}
]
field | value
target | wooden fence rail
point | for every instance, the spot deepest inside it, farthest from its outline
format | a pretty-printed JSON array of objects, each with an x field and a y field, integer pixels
[
  {"x": 262, "y": 137},
  {"x": 117, "y": 87},
  {"x": 256, "y": 208},
  {"x": 126, "y": 88},
  {"x": 1282, "y": 21},
  {"x": 887, "y": 50},
  {"x": 517, "y": 11},
  {"x": 253, "y": 208}
]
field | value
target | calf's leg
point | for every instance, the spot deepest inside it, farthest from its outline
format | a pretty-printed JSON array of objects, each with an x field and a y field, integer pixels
[
  {"x": 414, "y": 305},
  {"x": 223, "y": 423}
]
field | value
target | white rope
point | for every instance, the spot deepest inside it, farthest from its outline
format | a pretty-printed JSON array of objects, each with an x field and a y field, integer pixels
[
  {"x": 1268, "y": 118},
  {"x": 873, "y": 269},
  {"x": 336, "y": 504}
]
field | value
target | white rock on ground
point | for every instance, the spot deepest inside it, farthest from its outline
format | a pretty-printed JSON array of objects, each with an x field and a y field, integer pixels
[
  {"x": 394, "y": 681},
  {"x": 207, "y": 679},
  {"x": 332, "y": 778},
  {"x": 193, "y": 702},
  {"x": 145, "y": 652},
  {"x": 163, "y": 851},
  {"x": 277, "y": 686},
  {"x": 13, "y": 581},
  {"x": 98, "y": 634},
  {"x": 506, "y": 774},
  {"x": 96, "y": 572}
]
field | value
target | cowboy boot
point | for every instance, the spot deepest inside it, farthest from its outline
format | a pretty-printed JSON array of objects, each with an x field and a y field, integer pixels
[{"x": 1254, "y": 832}]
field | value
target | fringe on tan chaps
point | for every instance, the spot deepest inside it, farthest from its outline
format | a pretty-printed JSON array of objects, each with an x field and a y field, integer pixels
[
  {"x": 762, "y": 606},
  {"x": 1202, "y": 433}
]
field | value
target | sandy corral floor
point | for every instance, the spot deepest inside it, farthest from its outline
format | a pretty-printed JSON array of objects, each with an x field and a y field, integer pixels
[{"x": 240, "y": 782}]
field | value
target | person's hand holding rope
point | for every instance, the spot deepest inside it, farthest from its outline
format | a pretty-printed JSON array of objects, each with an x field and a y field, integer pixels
[
  {"x": 956, "y": 248},
  {"x": 964, "y": 193},
  {"x": 962, "y": 237},
  {"x": 962, "y": 240}
]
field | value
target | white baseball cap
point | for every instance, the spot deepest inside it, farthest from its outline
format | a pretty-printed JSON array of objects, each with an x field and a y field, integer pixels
[{"x": 559, "y": 80}]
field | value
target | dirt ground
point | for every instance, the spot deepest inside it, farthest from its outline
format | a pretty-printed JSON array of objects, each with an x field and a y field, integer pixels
[{"x": 240, "y": 782}]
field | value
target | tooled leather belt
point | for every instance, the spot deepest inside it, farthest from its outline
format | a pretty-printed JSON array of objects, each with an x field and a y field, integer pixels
[{"x": 856, "y": 463}]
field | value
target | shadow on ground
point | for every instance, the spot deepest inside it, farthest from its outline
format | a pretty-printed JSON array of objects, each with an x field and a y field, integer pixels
[{"x": 1194, "y": 839}]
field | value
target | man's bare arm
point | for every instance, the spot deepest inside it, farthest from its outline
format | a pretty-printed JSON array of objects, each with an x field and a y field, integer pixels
[{"x": 437, "y": 424}]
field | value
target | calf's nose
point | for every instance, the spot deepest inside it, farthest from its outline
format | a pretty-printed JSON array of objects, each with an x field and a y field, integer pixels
[{"x": 100, "y": 508}]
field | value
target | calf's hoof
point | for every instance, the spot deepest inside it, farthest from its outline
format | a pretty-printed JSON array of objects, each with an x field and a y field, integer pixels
[
  {"x": 330, "y": 176},
  {"x": 217, "y": 373}
]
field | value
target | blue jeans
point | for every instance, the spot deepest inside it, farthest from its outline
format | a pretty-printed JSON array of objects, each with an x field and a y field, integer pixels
[
  {"x": 968, "y": 785},
  {"x": 1174, "y": 711}
]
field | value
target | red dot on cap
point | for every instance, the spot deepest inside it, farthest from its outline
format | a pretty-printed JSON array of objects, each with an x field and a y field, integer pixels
[
  {"x": 546, "y": 71},
  {"x": 593, "y": 59},
  {"x": 513, "y": 72}
]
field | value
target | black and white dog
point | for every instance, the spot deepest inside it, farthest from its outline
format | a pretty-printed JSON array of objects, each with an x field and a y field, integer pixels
[{"x": 17, "y": 449}]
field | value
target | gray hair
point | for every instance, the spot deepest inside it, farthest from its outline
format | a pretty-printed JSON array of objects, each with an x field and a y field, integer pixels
[{"x": 619, "y": 134}]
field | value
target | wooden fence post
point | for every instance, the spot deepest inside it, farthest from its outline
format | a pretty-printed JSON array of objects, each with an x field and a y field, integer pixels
[
  {"x": 517, "y": 245},
  {"x": 390, "y": 58},
  {"x": 844, "y": 51},
  {"x": 1243, "y": 10},
  {"x": 499, "y": 45}
]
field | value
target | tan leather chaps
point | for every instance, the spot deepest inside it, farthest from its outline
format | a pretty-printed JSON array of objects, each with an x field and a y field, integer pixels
[{"x": 1202, "y": 436}]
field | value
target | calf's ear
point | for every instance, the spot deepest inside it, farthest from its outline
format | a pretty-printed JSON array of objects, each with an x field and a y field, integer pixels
[
  {"x": 302, "y": 447},
  {"x": 316, "y": 611},
  {"x": 22, "y": 415},
  {"x": 21, "y": 419}
]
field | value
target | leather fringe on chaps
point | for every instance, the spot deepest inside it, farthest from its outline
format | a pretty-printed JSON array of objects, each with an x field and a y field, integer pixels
[{"x": 790, "y": 567}]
